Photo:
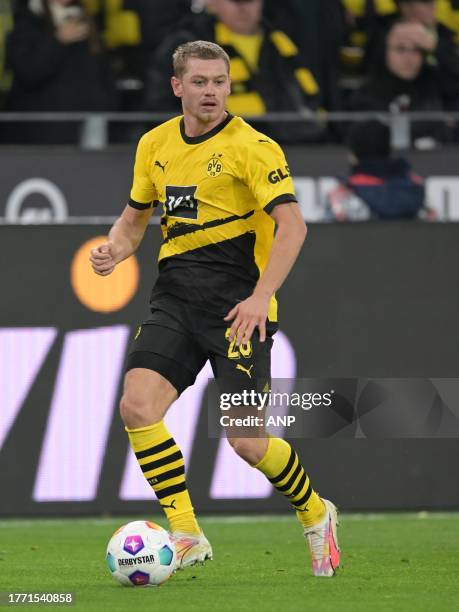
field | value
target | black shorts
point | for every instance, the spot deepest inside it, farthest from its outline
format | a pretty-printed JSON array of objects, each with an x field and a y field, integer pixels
[{"x": 178, "y": 339}]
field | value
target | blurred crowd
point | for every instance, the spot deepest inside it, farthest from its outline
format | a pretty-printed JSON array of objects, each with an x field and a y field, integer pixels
[{"x": 294, "y": 55}]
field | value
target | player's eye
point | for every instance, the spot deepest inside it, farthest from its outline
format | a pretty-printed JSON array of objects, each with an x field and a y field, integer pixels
[{"x": 198, "y": 82}]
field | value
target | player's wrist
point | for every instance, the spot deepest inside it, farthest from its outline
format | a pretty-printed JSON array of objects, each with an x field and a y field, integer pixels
[
  {"x": 120, "y": 248},
  {"x": 263, "y": 292}
]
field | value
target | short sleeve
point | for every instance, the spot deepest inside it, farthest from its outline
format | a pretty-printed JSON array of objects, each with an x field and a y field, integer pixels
[
  {"x": 267, "y": 174},
  {"x": 143, "y": 192}
]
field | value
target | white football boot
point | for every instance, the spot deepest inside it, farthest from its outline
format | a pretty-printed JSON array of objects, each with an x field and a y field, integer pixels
[
  {"x": 323, "y": 543},
  {"x": 191, "y": 549}
]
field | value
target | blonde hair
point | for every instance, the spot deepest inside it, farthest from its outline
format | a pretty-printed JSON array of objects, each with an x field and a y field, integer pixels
[{"x": 201, "y": 49}]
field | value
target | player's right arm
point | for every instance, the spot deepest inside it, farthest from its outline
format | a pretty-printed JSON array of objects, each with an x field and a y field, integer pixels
[
  {"x": 123, "y": 240},
  {"x": 127, "y": 232}
]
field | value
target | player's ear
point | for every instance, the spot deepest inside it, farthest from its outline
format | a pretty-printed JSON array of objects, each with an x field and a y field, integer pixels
[{"x": 177, "y": 87}]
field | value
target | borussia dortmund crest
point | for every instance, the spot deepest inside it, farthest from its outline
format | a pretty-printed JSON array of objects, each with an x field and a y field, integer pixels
[{"x": 215, "y": 165}]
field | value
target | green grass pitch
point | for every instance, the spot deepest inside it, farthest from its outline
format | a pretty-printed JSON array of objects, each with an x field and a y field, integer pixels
[{"x": 390, "y": 562}]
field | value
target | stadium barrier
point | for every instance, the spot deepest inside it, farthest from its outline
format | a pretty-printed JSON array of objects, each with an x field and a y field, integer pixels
[{"x": 68, "y": 185}]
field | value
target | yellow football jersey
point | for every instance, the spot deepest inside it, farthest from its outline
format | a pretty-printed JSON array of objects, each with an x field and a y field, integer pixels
[{"x": 217, "y": 191}]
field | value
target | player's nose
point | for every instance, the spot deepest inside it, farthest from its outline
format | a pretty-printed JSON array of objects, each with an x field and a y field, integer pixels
[{"x": 210, "y": 89}]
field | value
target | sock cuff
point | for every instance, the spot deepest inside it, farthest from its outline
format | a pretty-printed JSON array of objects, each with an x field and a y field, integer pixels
[
  {"x": 265, "y": 457},
  {"x": 155, "y": 426},
  {"x": 277, "y": 457},
  {"x": 142, "y": 438}
]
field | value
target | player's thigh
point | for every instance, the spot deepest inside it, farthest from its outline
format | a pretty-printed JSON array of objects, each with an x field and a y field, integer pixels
[
  {"x": 247, "y": 366},
  {"x": 242, "y": 373},
  {"x": 165, "y": 347}
]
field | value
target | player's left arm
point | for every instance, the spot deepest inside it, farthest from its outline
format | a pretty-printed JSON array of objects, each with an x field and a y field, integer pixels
[{"x": 252, "y": 312}]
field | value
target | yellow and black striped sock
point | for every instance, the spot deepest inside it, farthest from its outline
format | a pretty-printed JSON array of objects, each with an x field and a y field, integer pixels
[
  {"x": 282, "y": 467},
  {"x": 162, "y": 464}
]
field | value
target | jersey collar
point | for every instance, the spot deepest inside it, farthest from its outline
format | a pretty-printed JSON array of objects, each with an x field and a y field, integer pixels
[{"x": 198, "y": 139}]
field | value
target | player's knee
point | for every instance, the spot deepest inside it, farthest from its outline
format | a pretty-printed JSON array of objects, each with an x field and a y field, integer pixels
[
  {"x": 129, "y": 410},
  {"x": 146, "y": 398},
  {"x": 247, "y": 448},
  {"x": 134, "y": 412}
]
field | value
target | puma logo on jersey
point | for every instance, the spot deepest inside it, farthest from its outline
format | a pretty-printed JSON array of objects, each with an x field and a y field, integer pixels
[
  {"x": 171, "y": 505},
  {"x": 246, "y": 370},
  {"x": 159, "y": 164}
]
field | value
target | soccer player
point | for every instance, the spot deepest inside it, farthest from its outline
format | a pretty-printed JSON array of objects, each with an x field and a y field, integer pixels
[{"x": 224, "y": 188}]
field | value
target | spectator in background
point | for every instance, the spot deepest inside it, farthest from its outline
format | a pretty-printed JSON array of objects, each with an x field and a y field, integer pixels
[
  {"x": 266, "y": 70},
  {"x": 134, "y": 28},
  {"x": 438, "y": 41},
  {"x": 447, "y": 13},
  {"x": 160, "y": 20},
  {"x": 6, "y": 24},
  {"x": 426, "y": 33},
  {"x": 378, "y": 186},
  {"x": 318, "y": 29},
  {"x": 402, "y": 80},
  {"x": 58, "y": 64}
]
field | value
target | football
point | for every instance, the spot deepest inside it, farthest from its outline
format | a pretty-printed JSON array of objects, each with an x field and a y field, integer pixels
[{"x": 141, "y": 553}]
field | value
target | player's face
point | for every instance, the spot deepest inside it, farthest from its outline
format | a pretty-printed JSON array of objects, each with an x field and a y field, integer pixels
[{"x": 203, "y": 88}]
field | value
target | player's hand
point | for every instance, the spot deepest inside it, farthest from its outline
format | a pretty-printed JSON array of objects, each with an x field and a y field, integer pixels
[
  {"x": 103, "y": 259},
  {"x": 248, "y": 315}
]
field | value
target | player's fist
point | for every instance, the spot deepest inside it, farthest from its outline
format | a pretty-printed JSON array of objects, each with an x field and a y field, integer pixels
[{"x": 102, "y": 259}]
